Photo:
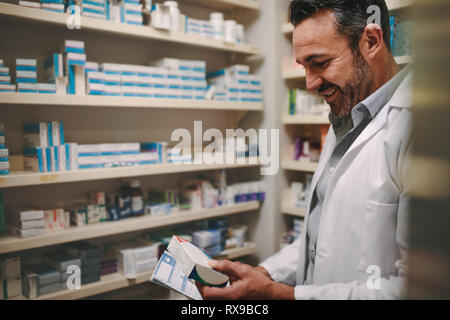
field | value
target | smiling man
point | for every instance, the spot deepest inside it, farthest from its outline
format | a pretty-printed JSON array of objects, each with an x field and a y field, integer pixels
[{"x": 353, "y": 245}]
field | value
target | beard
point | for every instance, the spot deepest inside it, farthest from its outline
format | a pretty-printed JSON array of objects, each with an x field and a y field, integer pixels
[{"x": 355, "y": 90}]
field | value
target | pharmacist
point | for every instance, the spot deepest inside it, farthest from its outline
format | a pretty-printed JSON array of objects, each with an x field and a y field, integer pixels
[{"x": 353, "y": 242}]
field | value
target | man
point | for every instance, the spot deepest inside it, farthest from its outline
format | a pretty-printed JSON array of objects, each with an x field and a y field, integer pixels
[{"x": 353, "y": 243}]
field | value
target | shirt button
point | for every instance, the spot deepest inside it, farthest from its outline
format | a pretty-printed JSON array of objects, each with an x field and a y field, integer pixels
[{"x": 332, "y": 170}]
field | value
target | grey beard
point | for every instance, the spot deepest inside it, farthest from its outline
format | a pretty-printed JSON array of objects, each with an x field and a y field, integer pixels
[{"x": 356, "y": 89}]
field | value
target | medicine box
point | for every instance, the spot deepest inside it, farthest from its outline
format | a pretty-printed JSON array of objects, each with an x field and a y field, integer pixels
[
  {"x": 61, "y": 261},
  {"x": 194, "y": 262}
]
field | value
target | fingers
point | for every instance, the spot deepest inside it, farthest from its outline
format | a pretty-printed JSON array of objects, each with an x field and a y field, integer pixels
[
  {"x": 235, "y": 270},
  {"x": 212, "y": 293}
]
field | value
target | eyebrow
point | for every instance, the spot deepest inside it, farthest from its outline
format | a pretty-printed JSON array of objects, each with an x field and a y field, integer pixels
[{"x": 313, "y": 56}]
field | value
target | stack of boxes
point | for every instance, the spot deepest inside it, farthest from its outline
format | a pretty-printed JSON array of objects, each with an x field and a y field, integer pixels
[
  {"x": 4, "y": 153},
  {"x": 45, "y": 149},
  {"x": 138, "y": 81},
  {"x": 10, "y": 278},
  {"x": 26, "y": 223},
  {"x": 115, "y": 155},
  {"x": 190, "y": 75},
  {"x": 53, "y": 75},
  {"x": 53, "y": 5},
  {"x": 89, "y": 255},
  {"x": 26, "y": 75},
  {"x": 97, "y": 9},
  {"x": 131, "y": 12},
  {"x": 112, "y": 79},
  {"x": 61, "y": 261},
  {"x": 74, "y": 62},
  {"x": 40, "y": 279},
  {"x": 134, "y": 258},
  {"x": 108, "y": 264},
  {"x": 95, "y": 83},
  {"x": 236, "y": 84},
  {"x": 5, "y": 79},
  {"x": 30, "y": 4},
  {"x": 209, "y": 240},
  {"x": 203, "y": 28}
]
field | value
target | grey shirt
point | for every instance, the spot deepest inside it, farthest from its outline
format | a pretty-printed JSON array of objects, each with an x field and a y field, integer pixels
[{"x": 346, "y": 131}]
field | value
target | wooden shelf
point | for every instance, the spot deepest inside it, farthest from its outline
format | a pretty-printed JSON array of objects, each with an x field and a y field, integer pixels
[
  {"x": 228, "y": 4},
  {"x": 293, "y": 165},
  {"x": 288, "y": 208},
  {"x": 92, "y": 101},
  {"x": 9, "y": 243},
  {"x": 116, "y": 281},
  {"x": 302, "y": 119},
  {"x": 294, "y": 211},
  {"x": 394, "y": 5},
  {"x": 294, "y": 74},
  {"x": 27, "y": 178},
  {"x": 145, "y": 32}
]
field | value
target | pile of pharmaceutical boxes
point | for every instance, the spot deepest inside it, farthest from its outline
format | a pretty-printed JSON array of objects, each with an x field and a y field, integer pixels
[
  {"x": 165, "y": 15},
  {"x": 68, "y": 72},
  {"x": 4, "y": 153},
  {"x": 45, "y": 149},
  {"x": 235, "y": 84},
  {"x": 75, "y": 264},
  {"x": 55, "y": 271}
]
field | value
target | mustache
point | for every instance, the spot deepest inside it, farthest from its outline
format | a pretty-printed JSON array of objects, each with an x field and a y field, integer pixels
[{"x": 327, "y": 85}]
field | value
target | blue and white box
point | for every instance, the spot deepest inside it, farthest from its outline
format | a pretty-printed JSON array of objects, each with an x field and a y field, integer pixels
[
  {"x": 26, "y": 87},
  {"x": 72, "y": 46},
  {"x": 74, "y": 59},
  {"x": 37, "y": 134},
  {"x": 53, "y": 5},
  {"x": 7, "y": 88},
  {"x": 53, "y": 67},
  {"x": 35, "y": 159},
  {"x": 57, "y": 128},
  {"x": 49, "y": 88},
  {"x": 91, "y": 66}
]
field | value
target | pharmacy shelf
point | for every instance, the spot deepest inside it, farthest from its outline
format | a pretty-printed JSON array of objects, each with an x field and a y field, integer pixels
[
  {"x": 125, "y": 30},
  {"x": 304, "y": 166},
  {"x": 228, "y": 4},
  {"x": 9, "y": 243},
  {"x": 117, "y": 281},
  {"x": 93, "y": 101},
  {"x": 303, "y": 119},
  {"x": 293, "y": 211},
  {"x": 394, "y": 5},
  {"x": 287, "y": 206},
  {"x": 27, "y": 178}
]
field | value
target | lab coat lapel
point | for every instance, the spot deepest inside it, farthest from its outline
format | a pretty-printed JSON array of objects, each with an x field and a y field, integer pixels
[{"x": 400, "y": 99}]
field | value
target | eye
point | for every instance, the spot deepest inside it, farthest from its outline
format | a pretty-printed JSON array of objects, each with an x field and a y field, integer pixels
[{"x": 321, "y": 64}]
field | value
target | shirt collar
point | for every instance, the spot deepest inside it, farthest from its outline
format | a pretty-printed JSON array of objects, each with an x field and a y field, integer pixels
[{"x": 375, "y": 102}]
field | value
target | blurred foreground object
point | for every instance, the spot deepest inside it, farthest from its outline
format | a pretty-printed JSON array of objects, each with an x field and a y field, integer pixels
[{"x": 429, "y": 273}]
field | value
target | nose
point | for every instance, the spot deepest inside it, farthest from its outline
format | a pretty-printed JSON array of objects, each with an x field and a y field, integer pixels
[{"x": 313, "y": 80}]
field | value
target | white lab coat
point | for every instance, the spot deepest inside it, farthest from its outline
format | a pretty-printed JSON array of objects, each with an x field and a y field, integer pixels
[{"x": 363, "y": 215}]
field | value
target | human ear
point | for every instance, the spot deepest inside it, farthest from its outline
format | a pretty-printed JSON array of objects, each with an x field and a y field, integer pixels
[{"x": 371, "y": 41}]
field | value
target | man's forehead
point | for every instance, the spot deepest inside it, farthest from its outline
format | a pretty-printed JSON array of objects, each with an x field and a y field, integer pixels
[{"x": 315, "y": 34}]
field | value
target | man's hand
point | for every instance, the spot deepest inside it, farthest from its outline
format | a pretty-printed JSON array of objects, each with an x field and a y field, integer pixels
[{"x": 246, "y": 282}]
